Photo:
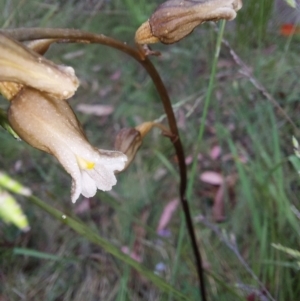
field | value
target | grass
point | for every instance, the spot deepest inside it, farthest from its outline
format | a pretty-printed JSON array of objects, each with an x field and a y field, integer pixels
[{"x": 52, "y": 262}]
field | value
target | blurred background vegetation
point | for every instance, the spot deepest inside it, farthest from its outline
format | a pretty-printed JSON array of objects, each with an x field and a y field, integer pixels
[{"x": 246, "y": 187}]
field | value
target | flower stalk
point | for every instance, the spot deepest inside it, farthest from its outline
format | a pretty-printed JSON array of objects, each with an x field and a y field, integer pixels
[
  {"x": 78, "y": 36},
  {"x": 187, "y": 24}
]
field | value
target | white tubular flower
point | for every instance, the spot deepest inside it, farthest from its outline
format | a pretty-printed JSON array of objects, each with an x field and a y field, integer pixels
[{"x": 49, "y": 124}]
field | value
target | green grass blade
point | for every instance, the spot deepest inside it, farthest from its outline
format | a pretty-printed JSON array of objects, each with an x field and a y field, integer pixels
[
  {"x": 192, "y": 176},
  {"x": 41, "y": 255}
]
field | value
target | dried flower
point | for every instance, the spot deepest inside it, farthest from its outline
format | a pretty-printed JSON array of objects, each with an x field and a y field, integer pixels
[
  {"x": 50, "y": 125},
  {"x": 21, "y": 65},
  {"x": 129, "y": 140},
  {"x": 175, "y": 19}
]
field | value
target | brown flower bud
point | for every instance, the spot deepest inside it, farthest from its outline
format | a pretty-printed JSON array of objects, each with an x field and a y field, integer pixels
[
  {"x": 129, "y": 140},
  {"x": 175, "y": 19}
]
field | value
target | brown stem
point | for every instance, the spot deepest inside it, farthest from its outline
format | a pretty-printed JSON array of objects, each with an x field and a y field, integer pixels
[{"x": 78, "y": 36}]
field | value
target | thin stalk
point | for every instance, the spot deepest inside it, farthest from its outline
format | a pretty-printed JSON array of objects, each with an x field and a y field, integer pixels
[
  {"x": 201, "y": 131},
  {"x": 78, "y": 36},
  {"x": 205, "y": 109},
  {"x": 177, "y": 255}
]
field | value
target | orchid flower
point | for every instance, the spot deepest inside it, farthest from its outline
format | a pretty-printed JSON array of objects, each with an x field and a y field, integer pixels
[
  {"x": 39, "y": 114},
  {"x": 49, "y": 124}
]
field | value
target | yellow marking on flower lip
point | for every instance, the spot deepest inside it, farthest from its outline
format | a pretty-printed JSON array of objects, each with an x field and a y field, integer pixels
[
  {"x": 90, "y": 165},
  {"x": 84, "y": 164}
]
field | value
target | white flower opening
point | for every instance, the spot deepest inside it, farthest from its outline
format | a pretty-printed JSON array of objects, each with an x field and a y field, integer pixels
[
  {"x": 50, "y": 125},
  {"x": 96, "y": 174}
]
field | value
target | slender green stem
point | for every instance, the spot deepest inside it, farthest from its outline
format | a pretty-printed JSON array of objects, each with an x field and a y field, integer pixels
[
  {"x": 177, "y": 255},
  {"x": 205, "y": 109}
]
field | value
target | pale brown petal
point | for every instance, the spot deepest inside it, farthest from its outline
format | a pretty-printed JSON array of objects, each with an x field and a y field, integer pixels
[
  {"x": 175, "y": 19},
  {"x": 21, "y": 65},
  {"x": 49, "y": 124}
]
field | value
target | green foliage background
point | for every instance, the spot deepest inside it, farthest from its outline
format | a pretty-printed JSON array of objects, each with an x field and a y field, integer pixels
[{"x": 240, "y": 120}]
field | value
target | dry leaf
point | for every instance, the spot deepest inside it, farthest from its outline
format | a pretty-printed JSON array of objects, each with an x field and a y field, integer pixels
[
  {"x": 212, "y": 177},
  {"x": 167, "y": 214},
  {"x": 97, "y": 110},
  {"x": 83, "y": 206},
  {"x": 132, "y": 254},
  {"x": 218, "y": 210},
  {"x": 215, "y": 152},
  {"x": 116, "y": 75}
]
